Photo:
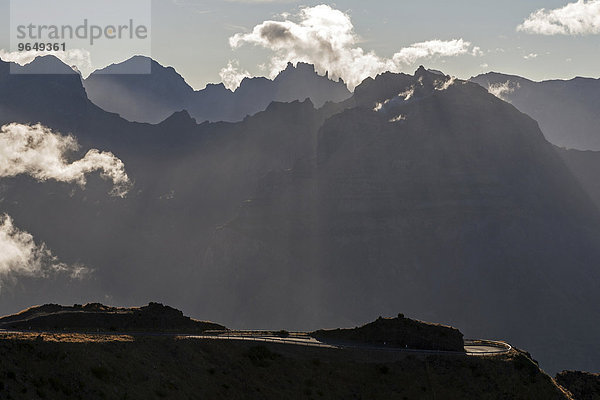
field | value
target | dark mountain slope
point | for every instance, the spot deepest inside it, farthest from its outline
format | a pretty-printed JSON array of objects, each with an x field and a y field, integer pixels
[
  {"x": 28, "y": 88},
  {"x": 567, "y": 111},
  {"x": 585, "y": 166},
  {"x": 447, "y": 202},
  {"x": 188, "y": 179},
  {"x": 459, "y": 210}
]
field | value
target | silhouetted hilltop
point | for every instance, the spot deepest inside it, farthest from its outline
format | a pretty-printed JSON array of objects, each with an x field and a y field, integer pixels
[
  {"x": 567, "y": 111},
  {"x": 154, "y": 317},
  {"x": 153, "y": 97},
  {"x": 398, "y": 332}
]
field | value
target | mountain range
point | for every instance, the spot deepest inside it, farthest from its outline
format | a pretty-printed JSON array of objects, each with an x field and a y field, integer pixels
[
  {"x": 155, "y": 96},
  {"x": 421, "y": 193},
  {"x": 567, "y": 110}
]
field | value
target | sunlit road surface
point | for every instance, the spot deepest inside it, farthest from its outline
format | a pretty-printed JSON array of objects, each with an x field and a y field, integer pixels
[
  {"x": 472, "y": 347},
  {"x": 482, "y": 349}
]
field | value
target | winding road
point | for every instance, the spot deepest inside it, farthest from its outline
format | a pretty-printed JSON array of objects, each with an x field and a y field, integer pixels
[{"x": 473, "y": 347}]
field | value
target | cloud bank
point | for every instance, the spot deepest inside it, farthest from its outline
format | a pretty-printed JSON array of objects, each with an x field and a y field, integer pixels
[
  {"x": 325, "y": 37},
  {"x": 21, "y": 256},
  {"x": 40, "y": 153},
  {"x": 37, "y": 151},
  {"x": 580, "y": 18}
]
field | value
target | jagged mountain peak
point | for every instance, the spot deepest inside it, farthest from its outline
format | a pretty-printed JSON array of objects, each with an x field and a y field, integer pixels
[
  {"x": 421, "y": 71},
  {"x": 155, "y": 96},
  {"x": 391, "y": 88}
]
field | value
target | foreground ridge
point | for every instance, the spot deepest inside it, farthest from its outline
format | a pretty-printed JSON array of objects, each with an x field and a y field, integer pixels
[{"x": 252, "y": 364}]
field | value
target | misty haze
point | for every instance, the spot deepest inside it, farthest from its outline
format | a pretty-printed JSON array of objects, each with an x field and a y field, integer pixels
[{"x": 306, "y": 168}]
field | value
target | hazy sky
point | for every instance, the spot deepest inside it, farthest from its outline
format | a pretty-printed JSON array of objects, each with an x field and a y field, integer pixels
[{"x": 474, "y": 36}]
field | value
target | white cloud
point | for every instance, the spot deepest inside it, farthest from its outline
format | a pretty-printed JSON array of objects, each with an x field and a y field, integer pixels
[
  {"x": 409, "y": 92},
  {"x": 445, "y": 84},
  {"x": 232, "y": 76},
  {"x": 37, "y": 151},
  {"x": 41, "y": 153},
  {"x": 80, "y": 59},
  {"x": 325, "y": 37},
  {"x": 500, "y": 90},
  {"x": 530, "y": 56},
  {"x": 398, "y": 118},
  {"x": 21, "y": 256},
  {"x": 443, "y": 48},
  {"x": 580, "y": 18},
  {"x": 477, "y": 52}
]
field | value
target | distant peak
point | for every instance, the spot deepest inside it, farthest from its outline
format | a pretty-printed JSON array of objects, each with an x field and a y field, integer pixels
[
  {"x": 301, "y": 68},
  {"x": 140, "y": 57},
  {"x": 136, "y": 65},
  {"x": 47, "y": 65},
  {"x": 421, "y": 71},
  {"x": 182, "y": 117}
]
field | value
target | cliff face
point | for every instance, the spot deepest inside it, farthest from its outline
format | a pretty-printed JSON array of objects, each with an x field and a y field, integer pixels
[{"x": 399, "y": 332}]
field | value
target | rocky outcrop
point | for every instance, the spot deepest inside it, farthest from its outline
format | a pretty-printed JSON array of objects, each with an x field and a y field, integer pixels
[
  {"x": 398, "y": 332},
  {"x": 97, "y": 317}
]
